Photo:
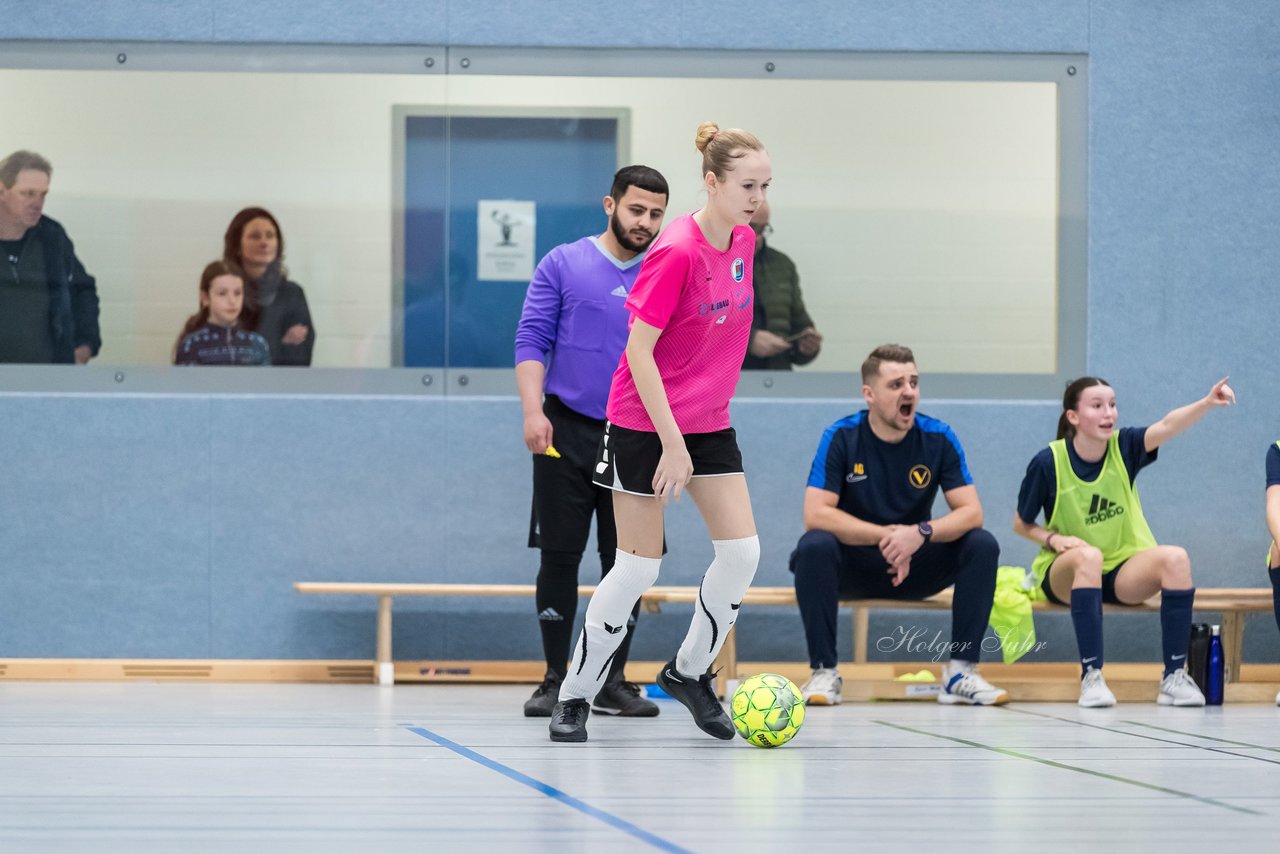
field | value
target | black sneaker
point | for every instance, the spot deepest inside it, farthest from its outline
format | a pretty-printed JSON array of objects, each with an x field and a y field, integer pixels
[
  {"x": 569, "y": 721},
  {"x": 624, "y": 699},
  {"x": 699, "y": 697},
  {"x": 544, "y": 698}
]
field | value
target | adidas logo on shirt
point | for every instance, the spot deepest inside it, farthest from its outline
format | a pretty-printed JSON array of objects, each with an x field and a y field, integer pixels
[
  {"x": 1100, "y": 510},
  {"x": 620, "y": 291}
]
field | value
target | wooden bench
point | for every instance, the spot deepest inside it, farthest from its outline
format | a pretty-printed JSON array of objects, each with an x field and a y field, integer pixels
[
  {"x": 385, "y": 672},
  {"x": 1232, "y": 603}
]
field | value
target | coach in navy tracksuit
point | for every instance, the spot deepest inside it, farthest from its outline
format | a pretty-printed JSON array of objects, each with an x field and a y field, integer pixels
[{"x": 869, "y": 533}]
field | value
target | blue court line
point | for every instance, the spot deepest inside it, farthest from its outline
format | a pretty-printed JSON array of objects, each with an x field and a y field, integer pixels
[
  {"x": 1116, "y": 778},
  {"x": 550, "y": 791}
]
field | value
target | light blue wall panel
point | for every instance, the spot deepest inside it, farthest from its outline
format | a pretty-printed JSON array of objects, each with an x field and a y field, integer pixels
[
  {"x": 148, "y": 20},
  {"x": 914, "y": 25},
  {"x": 104, "y": 535},
  {"x": 332, "y": 21},
  {"x": 316, "y": 490},
  {"x": 175, "y": 527},
  {"x": 926, "y": 25},
  {"x": 572, "y": 23}
]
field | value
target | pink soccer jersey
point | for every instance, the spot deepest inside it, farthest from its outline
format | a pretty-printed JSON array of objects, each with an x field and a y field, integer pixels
[{"x": 701, "y": 299}]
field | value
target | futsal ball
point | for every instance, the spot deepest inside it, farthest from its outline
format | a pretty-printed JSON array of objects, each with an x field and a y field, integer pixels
[{"x": 768, "y": 710}]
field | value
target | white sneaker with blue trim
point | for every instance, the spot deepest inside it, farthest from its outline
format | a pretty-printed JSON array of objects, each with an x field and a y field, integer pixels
[{"x": 961, "y": 684}]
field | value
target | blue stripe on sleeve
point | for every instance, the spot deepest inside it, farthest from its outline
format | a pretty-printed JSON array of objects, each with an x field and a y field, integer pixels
[
  {"x": 933, "y": 425},
  {"x": 818, "y": 471}
]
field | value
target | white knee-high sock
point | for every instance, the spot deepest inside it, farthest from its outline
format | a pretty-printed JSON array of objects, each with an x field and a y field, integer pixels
[
  {"x": 605, "y": 623},
  {"x": 719, "y": 598}
]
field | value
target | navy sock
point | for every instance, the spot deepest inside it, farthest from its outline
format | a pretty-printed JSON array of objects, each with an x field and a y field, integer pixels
[
  {"x": 1086, "y": 615},
  {"x": 1275, "y": 592},
  {"x": 1175, "y": 626}
]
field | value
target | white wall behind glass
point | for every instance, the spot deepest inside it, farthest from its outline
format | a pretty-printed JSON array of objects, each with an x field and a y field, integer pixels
[{"x": 919, "y": 212}]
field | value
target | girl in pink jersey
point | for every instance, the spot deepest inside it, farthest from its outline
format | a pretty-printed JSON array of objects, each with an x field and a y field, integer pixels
[{"x": 668, "y": 431}]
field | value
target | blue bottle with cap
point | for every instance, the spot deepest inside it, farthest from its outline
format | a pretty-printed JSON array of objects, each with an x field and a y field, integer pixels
[{"x": 1213, "y": 676}]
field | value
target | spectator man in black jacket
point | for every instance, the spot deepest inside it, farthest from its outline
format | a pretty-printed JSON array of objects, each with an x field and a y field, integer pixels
[{"x": 48, "y": 303}]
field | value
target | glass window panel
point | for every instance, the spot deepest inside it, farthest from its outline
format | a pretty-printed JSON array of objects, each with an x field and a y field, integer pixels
[
  {"x": 149, "y": 168},
  {"x": 916, "y": 211},
  {"x": 929, "y": 210}
]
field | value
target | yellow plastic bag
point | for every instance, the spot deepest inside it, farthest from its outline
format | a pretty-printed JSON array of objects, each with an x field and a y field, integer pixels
[{"x": 1011, "y": 616}]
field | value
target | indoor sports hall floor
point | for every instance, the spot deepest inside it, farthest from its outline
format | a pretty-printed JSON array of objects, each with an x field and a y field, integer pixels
[{"x": 436, "y": 768}]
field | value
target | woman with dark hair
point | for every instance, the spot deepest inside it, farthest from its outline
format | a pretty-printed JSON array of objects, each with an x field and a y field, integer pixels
[
  {"x": 275, "y": 307},
  {"x": 212, "y": 336},
  {"x": 1095, "y": 545}
]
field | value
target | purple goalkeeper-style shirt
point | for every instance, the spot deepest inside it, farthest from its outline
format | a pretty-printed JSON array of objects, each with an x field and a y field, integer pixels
[{"x": 576, "y": 323}]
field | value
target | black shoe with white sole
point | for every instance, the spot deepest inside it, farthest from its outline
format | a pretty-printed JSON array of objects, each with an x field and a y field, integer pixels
[{"x": 699, "y": 697}]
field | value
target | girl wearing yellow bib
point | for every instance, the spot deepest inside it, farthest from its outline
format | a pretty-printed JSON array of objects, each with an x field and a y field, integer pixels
[{"x": 1095, "y": 545}]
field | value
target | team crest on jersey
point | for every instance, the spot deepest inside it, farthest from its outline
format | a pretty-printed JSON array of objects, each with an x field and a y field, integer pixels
[
  {"x": 739, "y": 269},
  {"x": 920, "y": 476}
]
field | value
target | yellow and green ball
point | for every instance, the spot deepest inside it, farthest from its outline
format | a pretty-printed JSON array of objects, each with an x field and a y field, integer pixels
[{"x": 768, "y": 710}]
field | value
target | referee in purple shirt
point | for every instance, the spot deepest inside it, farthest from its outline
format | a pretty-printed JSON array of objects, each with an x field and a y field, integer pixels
[{"x": 572, "y": 332}]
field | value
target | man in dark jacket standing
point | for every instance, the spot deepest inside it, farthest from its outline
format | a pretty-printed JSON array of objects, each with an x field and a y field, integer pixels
[
  {"x": 782, "y": 333},
  {"x": 48, "y": 303}
]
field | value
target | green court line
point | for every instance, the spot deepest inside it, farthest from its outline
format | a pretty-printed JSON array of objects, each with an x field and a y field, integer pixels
[
  {"x": 1154, "y": 737},
  {"x": 1115, "y": 778},
  {"x": 1205, "y": 737}
]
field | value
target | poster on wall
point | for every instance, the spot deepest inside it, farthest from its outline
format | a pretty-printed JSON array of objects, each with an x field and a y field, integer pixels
[{"x": 505, "y": 239}]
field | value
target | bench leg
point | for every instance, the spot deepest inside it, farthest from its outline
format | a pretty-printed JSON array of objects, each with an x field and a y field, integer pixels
[
  {"x": 385, "y": 670},
  {"x": 1232, "y": 640},
  {"x": 861, "y": 625}
]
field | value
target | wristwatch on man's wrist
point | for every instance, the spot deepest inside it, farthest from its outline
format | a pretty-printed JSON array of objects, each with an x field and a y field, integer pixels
[{"x": 926, "y": 530}]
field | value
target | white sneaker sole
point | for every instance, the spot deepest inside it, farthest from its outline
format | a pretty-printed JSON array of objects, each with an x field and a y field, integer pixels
[
  {"x": 956, "y": 700},
  {"x": 1191, "y": 703},
  {"x": 1098, "y": 703}
]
